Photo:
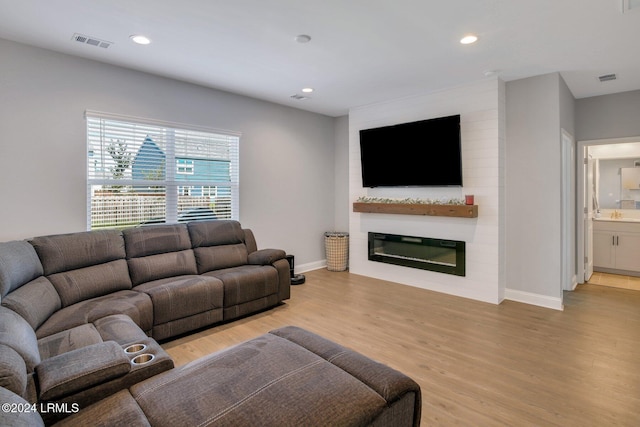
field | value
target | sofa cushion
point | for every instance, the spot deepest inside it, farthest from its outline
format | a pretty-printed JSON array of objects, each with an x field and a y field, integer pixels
[
  {"x": 216, "y": 257},
  {"x": 218, "y": 244},
  {"x": 179, "y": 297},
  {"x": 16, "y": 333},
  {"x": 13, "y": 371},
  {"x": 160, "y": 266},
  {"x": 93, "y": 281},
  {"x": 156, "y": 239},
  {"x": 135, "y": 305},
  {"x": 246, "y": 283},
  {"x": 19, "y": 264},
  {"x": 35, "y": 301},
  {"x": 65, "y": 252},
  {"x": 68, "y": 340},
  {"x": 119, "y": 328},
  {"x": 215, "y": 232},
  {"x": 18, "y": 418}
]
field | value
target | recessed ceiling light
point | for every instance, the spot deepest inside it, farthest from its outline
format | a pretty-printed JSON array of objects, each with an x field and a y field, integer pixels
[
  {"x": 307, "y": 89},
  {"x": 303, "y": 38},
  {"x": 468, "y": 39},
  {"x": 139, "y": 39}
]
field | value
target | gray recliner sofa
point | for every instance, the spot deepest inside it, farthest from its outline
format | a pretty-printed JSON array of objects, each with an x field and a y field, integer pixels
[
  {"x": 81, "y": 315},
  {"x": 170, "y": 279}
]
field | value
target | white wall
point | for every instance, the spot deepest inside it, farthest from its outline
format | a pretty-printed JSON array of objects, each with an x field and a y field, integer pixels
[
  {"x": 608, "y": 116},
  {"x": 287, "y": 155},
  {"x": 481, "y": 106},
  {"x": 534, "y": 239}
]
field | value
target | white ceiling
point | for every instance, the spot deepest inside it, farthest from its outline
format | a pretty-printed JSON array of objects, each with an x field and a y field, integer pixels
[{"x": 361, "y": 52}]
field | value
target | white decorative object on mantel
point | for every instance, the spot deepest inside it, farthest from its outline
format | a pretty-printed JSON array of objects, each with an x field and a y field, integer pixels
[{"x": 412, "y": 201}]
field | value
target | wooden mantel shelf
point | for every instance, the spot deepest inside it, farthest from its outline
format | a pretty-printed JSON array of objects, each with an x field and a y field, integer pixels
[{"x": 462, "y": 211}]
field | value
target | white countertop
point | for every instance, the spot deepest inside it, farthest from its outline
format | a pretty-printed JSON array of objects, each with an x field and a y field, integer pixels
[{"x": 617, "y": 219}]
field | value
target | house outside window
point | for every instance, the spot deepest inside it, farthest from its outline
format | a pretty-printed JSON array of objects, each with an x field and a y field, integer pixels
[{"x": 129, "y": 182}]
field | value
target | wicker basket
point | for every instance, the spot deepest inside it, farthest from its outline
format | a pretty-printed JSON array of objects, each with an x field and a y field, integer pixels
[{"x": 337, "y": 250}]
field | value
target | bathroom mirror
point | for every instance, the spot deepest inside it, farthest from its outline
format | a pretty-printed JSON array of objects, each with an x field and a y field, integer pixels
[
  {"x": 618, "y": 184},
  {"x": 617, "y": 175}
]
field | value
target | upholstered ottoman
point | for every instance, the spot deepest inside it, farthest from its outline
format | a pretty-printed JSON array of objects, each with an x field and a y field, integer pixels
[{"x": 288, "y": 377}]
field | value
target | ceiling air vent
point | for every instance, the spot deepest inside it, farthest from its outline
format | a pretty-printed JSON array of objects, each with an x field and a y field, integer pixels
[
  {"x": 607, "y": 77},
  {"x": 92, "y": 41},
  {"x": 298, "y": 97}
]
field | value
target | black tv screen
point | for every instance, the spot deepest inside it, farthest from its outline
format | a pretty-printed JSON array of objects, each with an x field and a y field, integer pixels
[{"x": 423, "y": 153}]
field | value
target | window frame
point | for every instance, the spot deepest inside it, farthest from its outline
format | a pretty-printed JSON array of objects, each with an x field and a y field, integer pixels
[
  {"x": 171, "y": 180},
  {"x": 188, "y": 166}
]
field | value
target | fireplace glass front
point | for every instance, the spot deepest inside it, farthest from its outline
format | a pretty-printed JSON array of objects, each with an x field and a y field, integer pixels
[{"x": 444, "y": 256}]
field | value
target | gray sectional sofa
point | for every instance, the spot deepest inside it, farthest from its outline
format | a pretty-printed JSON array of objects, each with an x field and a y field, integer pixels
[{"x": 81, "y": 315}]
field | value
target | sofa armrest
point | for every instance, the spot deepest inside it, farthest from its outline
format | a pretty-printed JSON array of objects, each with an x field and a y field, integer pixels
[
  {"x": 80, "y": 369},
  {"x": 266, "y": 256}
]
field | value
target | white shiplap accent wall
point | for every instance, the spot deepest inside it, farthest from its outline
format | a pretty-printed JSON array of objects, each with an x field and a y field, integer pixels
[{"x": 481, "y": 107}]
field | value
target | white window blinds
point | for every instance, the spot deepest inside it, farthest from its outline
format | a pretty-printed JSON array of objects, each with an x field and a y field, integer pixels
[{"x": 146, "y": 172}]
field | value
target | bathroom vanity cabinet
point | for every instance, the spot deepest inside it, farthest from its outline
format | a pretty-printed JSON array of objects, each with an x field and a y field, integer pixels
[{"x": 616, "y": 245}]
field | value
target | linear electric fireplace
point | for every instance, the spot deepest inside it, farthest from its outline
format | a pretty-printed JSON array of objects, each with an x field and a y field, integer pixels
[{"x": 444, "y": 256}]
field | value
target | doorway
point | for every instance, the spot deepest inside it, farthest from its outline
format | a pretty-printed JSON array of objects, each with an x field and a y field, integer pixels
[{"x": 589, "y": 197}]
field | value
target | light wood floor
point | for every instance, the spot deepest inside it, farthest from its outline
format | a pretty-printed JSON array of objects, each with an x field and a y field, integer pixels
[
  {"x": 478, "y": 364},
  {"x": 615, "y": 281}
]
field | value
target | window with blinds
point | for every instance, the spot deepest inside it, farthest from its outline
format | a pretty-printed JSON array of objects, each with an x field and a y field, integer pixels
[{"x": 148, "y": 172}]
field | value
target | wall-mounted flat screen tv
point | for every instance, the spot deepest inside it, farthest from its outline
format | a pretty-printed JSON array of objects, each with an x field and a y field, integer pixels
[{"x": 424, "y": 153}]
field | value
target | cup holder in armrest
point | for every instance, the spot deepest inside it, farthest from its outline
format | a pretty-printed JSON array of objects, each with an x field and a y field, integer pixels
[
  {"x": 146, "y": 358},
  {"x": 142, "y": 359},
  {"x": 135, "y": 348}
]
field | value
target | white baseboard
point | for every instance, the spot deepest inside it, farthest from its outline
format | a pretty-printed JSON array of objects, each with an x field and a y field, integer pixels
[
  {"x": 534, "y": 299},
  {"x": 510, "y": 294},
  {"x": 615, "y": 271},
  {"x": 317, "y": 265}
]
